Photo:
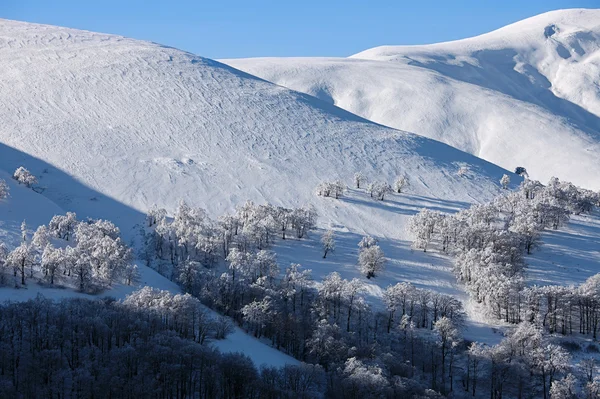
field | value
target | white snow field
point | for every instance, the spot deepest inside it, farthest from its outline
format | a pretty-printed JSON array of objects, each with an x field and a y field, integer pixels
[
  {"x": 524, "y": 95},
  {"x": 119, "y": 125}
]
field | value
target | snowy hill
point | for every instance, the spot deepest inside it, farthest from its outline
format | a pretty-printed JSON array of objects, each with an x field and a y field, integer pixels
[
  {"x": 525, "y": 95},
  {"x": 112, "y": 126}
]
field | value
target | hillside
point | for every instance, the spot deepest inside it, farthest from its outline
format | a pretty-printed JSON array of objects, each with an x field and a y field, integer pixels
[
  {"x": 112, "y": 126},
  {"x": 525, "y": 95}
]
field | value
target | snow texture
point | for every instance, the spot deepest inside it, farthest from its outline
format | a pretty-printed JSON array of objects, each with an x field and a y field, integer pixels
[
  {"x": 120, "y": 125},
  {"x": 524, "y": 95}
]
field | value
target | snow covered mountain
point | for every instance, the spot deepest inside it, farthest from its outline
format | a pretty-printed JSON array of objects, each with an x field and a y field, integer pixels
[
  {"x": 524, "y": 95},
  {"x": 112, "y": 126}
]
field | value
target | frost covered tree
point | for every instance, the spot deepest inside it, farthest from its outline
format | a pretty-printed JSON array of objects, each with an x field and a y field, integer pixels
[
  {"x": 266, "y": 265},
  {"x": 63, "y": 226},
  {"x": 41, "y": 238},
  {"x": 378, "y": 190},
  {"x": 505, "y": 181},
  {"x": 20, "y": 259},
  {"x": 53, "y": 260},
  {"x": 367, "y": 242},
  {"x": 362, "y": 380},
  {"x": 328, "y": 242},
  {"x": 4, "y": 190},
  {"x": 359, "y": 179},
  {"x": 448, "y": 340},
  {"x": 422, "y": 225},
  {"x": 351, "y": 292},
  {"x": 565, "y": 388},
  {"x": 400, "y": 184},
  {"x": 3, "y": 266},
  {"x": 398, "y": 297},
  {"x": 331, "y": 189},
  {"x": 547, "y": 361},
  {"x": 258, "y": 314},
  {"x": 23, "y": 176},
  {"x": 371, "y": 261}
]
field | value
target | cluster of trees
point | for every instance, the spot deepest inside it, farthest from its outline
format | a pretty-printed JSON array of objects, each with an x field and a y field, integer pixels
[
  {"x": 363, "y": 352},
  {"x": 524, "y": 364},
  {"x": 489, "y": 242},
  {"x": 156, "y": 345},
  {"x": 88, "y": 255},
  {"x": 149, "y": 346},
  {"x": 376, "y": 189},
  {"x": 192, "y": 236},
  {"x": 331, "y": 189}
]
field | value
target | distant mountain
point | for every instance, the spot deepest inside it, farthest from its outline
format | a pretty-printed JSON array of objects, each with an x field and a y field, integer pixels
[
  {"x": 112, "y": 126},
  {"x": 524, "y": 95}
]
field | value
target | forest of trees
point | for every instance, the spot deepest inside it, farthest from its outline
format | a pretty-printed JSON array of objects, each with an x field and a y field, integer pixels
[{"x": 155, "y": 344}]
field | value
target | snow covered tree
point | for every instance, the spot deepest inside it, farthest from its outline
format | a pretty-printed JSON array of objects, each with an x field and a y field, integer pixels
[
  {"x": 41, "y": 238},
  {"x": 53, "y": 260},
  {"x": 331, "y": 189},
  {"x": 23, "y": 176},
  {"x": 20, "y": 259},
  {"x": 398, "y": 296},
  {"x": 359, "y": 179},
  {"x": 351, "y": 292},
  {"x": 448, "y": 340},
  {"x": 23, "y": 231},
  {"x": 4, "y": 190},
  {"x": 505, "y": 181},
  {"x": 63, "y": 226},
  {"x": 378, "y": 190},
  {"x": 303, "y": 220},
  {"x": 266, "y": 264},
  {"x": 400, "y": 184},
  {"x": 3, "y": 266},
  {"x": 371, "y": 261},
  {"x": 362, "y": 380},
  {"x": 547, "y": 361},
  {"x": 367, "y": 242},
  {"x": 258, "y": 314},
  {"x": 131, "y": 274},
  {"x": 565, "y": 388},
  {"x": 328, "y": 242},
  {"x": 422, "y": 225}
]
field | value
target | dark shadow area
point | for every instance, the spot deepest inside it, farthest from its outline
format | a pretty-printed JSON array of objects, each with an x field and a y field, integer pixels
[{"x": 69, "y": 193}]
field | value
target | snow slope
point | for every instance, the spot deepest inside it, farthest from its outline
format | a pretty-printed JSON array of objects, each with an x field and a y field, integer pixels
[
  {"x": 25, "y": 204},
  {"x": 525, "y": 95},
  {"x": 114, "y": 125}
]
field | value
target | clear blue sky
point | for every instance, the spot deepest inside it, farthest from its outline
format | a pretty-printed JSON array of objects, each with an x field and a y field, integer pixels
[{"x": 238, "y": 28}]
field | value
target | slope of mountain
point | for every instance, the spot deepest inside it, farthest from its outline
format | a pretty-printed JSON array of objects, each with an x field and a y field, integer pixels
[
  {"x": 527, "y": 94},
  {"x": 113, "y": 125}
]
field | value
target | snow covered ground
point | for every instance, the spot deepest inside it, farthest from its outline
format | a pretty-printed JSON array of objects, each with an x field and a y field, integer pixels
[
  {"x": 567, "y": 256},
  {"x": 119, "y": 125},
  {"x": 524, "y": 95}
]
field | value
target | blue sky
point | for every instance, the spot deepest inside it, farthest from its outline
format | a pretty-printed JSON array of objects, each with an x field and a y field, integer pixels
[{"x": 237, "y": 28}]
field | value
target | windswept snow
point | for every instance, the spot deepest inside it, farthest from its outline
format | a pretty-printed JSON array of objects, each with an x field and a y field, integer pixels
[
  {"x": 120, "y": 125},
  {"x": 525, "y": 95}
]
